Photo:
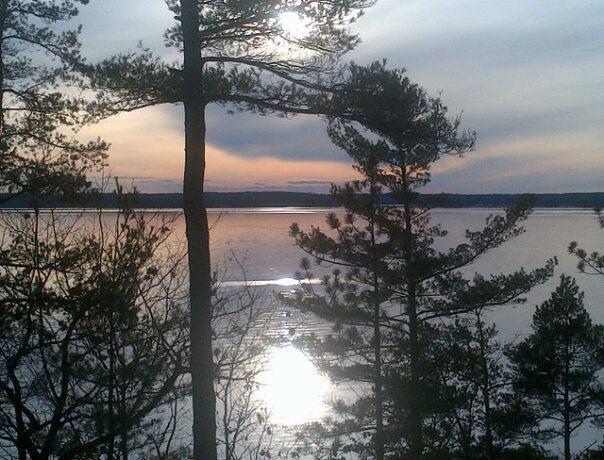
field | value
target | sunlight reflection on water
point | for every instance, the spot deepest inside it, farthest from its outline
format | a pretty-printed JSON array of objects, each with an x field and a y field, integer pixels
[
  {"x": 292, "y": 388},
  {"x": 284, "y": 282}
]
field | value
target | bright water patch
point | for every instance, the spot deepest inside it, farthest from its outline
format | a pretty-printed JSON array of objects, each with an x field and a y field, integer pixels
[{"x": 292, "y": 387}]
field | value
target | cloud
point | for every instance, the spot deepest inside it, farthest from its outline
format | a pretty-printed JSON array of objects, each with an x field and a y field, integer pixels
[
  {"x": 252, "y": 136},
  {"x": 308, "y": 182},
  {"x": 527, "y": 75},
  {"x": 529, "y": 167},
  {"x": 112, "y": 26}
]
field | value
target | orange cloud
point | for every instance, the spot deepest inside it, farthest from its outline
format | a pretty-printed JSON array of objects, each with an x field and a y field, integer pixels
[
  {"x": 146, "y": 144},
  {"x": 226, "y": 169}
]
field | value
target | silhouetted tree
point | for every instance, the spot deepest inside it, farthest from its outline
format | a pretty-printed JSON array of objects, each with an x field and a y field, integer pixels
[
  {"x": 92, "y": 342},
  {"x": 234, "y": 52},
  {"x": 468, "y": 382},
  {"x": 355, "y": 300},
  {"x": 38, "y": 107},
  {"x": 556, "y": 368},
  {"x": 395, "y": 281}
]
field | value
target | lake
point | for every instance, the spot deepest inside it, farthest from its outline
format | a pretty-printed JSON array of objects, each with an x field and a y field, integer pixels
[{"x": 259, "y": 239}]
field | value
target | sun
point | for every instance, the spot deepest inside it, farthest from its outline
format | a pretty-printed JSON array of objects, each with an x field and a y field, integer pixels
[{"x": 294, "y": 25}]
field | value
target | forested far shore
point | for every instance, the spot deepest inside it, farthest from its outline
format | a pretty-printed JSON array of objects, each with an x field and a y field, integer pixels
[{"x": 303, "y": 199}]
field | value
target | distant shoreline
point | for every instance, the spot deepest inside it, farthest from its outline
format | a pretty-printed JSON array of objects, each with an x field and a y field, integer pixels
[{"x": 279, "y": 199}]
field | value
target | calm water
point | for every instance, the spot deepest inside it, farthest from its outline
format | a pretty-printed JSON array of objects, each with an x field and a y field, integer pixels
[{"x": 259, "y": 239}]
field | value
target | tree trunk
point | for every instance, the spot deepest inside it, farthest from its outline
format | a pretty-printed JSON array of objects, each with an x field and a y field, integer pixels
[
  {"x": 415, "y": 413},
  {"x": 567, "y": 455},
  {"x": 202, "y": 366},
  {"x": 379, "y": 416},
  {"x": 125, "y": 432},
  {"x": 111, "y": 387},
  {"x": 377, "y": 340},
  {"x": 3, "y": 14},
  {"x": 567, "y": 414},
  {"x": 486, "y": 389}
]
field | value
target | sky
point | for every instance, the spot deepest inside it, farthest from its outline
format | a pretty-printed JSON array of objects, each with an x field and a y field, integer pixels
[{"x": 527, "y": 75}]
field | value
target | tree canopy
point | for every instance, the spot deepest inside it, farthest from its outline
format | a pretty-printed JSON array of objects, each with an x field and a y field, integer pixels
[
  {"x": 556, "y": 367},
  {"x": 250, "y": 60},
  {"x": 41, "y": 105},
  {"x": 392, "y": 281}
]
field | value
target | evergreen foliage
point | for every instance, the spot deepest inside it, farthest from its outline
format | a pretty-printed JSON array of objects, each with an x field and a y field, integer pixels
[
  {"x": 235, "y": 52},
  {"x": 589, "y": 262},
  {"x": 41, "y": 102},
  {"x": 466, "y": 385},
  {"x": 556, "y": 368},
  {"x": 249, "y": 60},
  {"x": 392, "y": 283}
]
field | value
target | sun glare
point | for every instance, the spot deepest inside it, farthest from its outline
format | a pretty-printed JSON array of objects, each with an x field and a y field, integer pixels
[
  {"x": 292, "y": 388},
  {"x": 293, "y": 25}
]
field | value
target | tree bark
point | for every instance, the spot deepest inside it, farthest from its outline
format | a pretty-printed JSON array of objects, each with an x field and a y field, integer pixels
[
  {"x": 202, "y": 366},
  {"x": 567, "y": 455},
  {"x": 415, "y": 412},
  {"x": 415, "y": 415},
  {"x": 379, "y": 398},
  {"x": 567, "y": 410},
  {"x": 486, "y": 389},
  {"x": 377, "y": 339},
  {"x": 3, "y": 15}
]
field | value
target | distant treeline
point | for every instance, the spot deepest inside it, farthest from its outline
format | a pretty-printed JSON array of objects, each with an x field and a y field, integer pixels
[{"x": 287, "y": 199}]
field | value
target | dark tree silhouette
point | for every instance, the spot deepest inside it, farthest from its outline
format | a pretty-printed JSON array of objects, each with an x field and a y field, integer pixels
[
  {"x": 394, "y": 280},
  {"x": 38, "y": 108},
  {"x": 92, "y": 335},
  {"x": 556, "y": 367},
  {"x": 234, "y": 52},
  {"x": 467, "y": 382}
]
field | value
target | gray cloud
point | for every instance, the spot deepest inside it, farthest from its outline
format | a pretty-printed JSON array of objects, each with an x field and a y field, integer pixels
[
  {"x": 299, "y": 138},
  {"x": 515, "y": 68},
  {"x": 536, "y": 173},
  {"x": 112, "y": 26}
]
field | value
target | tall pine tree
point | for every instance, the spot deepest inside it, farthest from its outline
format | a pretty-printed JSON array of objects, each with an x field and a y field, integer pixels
[
  {"x": 234, "y": 52},
  {"x": 468, "y": 385},
  {"x": 395, "y": 281}
]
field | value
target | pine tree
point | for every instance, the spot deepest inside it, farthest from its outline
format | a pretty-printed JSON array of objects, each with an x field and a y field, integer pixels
[
  {"x": 468, "y": 382},
  {"x": 356, "y": 299},
  {"x": 556, "y": 368},
  {"x": 39, "y": 111},
  {"x": 394, "y": 280},
  {"x": 234, "y": 53}
]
